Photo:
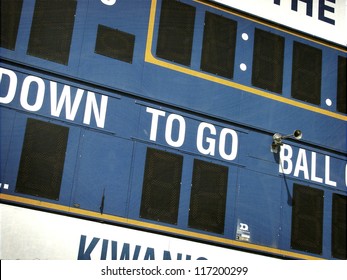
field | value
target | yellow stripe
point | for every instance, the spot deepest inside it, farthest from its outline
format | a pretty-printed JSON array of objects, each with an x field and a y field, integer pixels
[
  {"x": 131, "y": 222},
  {"x": 151, "y": 59}
]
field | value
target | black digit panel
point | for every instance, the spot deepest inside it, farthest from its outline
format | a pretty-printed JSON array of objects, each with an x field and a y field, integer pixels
[
  {"x": 42, "y": 160},
  {"x": 51, "y": 30},
  {"x": 176, "y": 30},
  {"x": 161, "y": 186},
  {"x": 10, "y": 16},
  {"x": 208, "y": 196}
]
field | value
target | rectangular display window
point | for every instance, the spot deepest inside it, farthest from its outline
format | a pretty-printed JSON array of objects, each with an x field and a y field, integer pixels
[
  {"x": 176, "y": 28},
  {"x": 338, "y": 227},
  {"x": 10, "y": 16},
  {"x": 218, "y": 49},
  {"x": 341, "y": 85},
  {"x": 161, "y": 186},
  {"x": 307, "y": 219},
  {"x": 51, "y": 30},
  {"x": 208, "y": 196},
  {"x": 115, "y": 44},
  {"x": 306, "y": 73},
  {"x": 268, "y": 57},
  {"x": 42, "y": 160}
]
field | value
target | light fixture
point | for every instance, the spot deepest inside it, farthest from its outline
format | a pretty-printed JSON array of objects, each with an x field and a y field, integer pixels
[{"x": 277, "y": 139}]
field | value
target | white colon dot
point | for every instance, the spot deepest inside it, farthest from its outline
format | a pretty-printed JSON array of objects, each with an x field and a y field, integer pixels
[
  {"x": 243, "y": 67},
  {"x": 244, "y": 36},
  {"x": 328, "y": 102},
  {"x": 109, "y": 2}
]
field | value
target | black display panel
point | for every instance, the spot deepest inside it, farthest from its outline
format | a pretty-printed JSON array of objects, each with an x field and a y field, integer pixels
[
  {"x": 208, "y": 196},
  {"x": 42, "y": 160},
  {"x": 268, "y": 57},
  {"x": 51, "y": 30},
  {"x": 341, "y": 84},
  {"x": 161, "y": 186},
  {"x": 115, "y": 44},
  {"x": 10, "y": 16},
  {"x": 306, "y": 73},
  {"x": 218, "y": 49},
  {"x": 338, "y": 227},
  {"x": 307, "y": 219},
  {"x": 176, "y": 28}
]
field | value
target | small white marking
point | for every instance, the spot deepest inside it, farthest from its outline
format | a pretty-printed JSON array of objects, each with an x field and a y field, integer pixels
[
  {"x": 109, "y": 2},
  {"x": 328, "y": 102},
  {"x": 243, "y": 67},
  {"x": 244, "y": 36}
]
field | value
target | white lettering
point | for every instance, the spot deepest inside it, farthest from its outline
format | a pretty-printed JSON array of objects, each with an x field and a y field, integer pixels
[
  {"x": 211, "y": 142},
  {"x": 205, "y": 142},
  {"x": 211, "y": 147},
  {"x": 12, "y": 85},
  {"x": 40, "y": 93},
  {"x": 92, "y": 105},
  {"x": 327, "y": 173},
  {"x": 309, "y": 8},
  {"x": 65, "y": 98},
  {"x": 32, "y": 96},
  {"x": 301, "y": 164},
  {"x": 314, "y": 168},
  {"x": 286, "y": 159},
  {"x": 154, "y": 125},
  {"x": 181, "y": 132},
  {"x": 234, "y": 144}
]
